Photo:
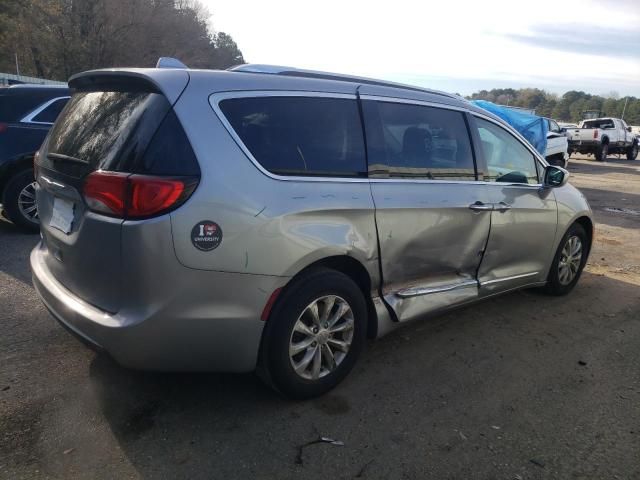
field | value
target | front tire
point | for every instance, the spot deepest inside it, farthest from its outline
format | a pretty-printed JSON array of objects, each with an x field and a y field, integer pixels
[
  {"x": 315, "y": 334},
  {"x": 568, "y": 262},
  {"x": 19, "y": 201},
  {"x": 632, "y": 152}
]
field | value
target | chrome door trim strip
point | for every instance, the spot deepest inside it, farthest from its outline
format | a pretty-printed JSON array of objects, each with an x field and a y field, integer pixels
[
  {"x": 506, "y": 279},
  {"x": 419, "y": 291}
]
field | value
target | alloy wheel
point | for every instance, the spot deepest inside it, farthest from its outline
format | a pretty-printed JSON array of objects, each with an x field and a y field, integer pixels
[
  {"x": 27, "y": 202},
  {"x": 321, "y": 337},
  {"x": 570, "y": 260}
]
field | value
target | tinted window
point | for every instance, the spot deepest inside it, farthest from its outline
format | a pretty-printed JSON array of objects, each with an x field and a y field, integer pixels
[
  {"x": 414, "y": 141},
  {"x": 104, "y": 130},
  {"x": 300, "y": 135},
  {"x": 169, "y": 152},
  {"x": 507, "y": 159},
  {"x": 16, "y": 103},
  {"x": 49, "y": 114}
]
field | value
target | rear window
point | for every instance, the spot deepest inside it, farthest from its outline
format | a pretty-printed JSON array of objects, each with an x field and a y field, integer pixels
[
  {"x": 606, "y": 123},
  {"x": 119, "y": 131},
  {"x": 300, "y": 135}
]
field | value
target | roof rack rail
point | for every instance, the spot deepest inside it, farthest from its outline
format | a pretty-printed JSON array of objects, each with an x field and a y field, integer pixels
[
  {"x": 298, "y": 72},
  {"x": 169, "y": 62}
]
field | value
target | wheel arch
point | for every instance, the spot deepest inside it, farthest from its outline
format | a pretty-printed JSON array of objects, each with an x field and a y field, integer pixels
[
  {"x": 586, "y": 223},
  {"x": 13, "y": 166},
  {"x": 356, "y": 271}
]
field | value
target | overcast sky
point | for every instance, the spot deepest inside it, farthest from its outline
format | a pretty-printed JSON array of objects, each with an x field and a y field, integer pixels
[{"x": 452, "y": 45}]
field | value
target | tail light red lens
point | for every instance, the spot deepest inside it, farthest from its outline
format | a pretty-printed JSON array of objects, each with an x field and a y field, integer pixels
[
  {"x": 151, "y": 195},
  {"x": 595, "y": 133},
  {"x": 106, "y": 192},
  {"x": 3, "y": 127},
  {"x": 135, "y": 196}
]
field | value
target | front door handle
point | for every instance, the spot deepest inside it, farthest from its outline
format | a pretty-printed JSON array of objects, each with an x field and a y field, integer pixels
[
  {"x": 501, "y": 207},
  {"x": 481, "y": 207}
]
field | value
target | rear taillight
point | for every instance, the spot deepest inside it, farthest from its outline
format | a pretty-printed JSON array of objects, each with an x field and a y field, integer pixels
[
  {"x": 106, "y": 192},
  {"x": 595, "y": 133},
  {"x": 133, "y": 196}
]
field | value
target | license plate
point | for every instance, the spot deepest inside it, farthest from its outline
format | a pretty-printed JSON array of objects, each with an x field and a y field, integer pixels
[{"x": 62, "y": 216}]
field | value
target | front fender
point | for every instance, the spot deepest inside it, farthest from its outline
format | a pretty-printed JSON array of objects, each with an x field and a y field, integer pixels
[{"x": 572, "y": 205}]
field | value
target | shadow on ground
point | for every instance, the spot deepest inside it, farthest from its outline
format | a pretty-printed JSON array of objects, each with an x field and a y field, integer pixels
[{"x": 466, "y": 394}]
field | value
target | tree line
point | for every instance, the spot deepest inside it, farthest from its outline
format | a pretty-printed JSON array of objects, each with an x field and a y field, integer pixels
[
  {"x": 568, "y": 107},
  {"x": 56, "y": 38}
]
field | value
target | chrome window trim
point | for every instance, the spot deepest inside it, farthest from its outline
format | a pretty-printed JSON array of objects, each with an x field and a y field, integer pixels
[
  {"x": 30, "y": 116},
  {"x": 422, "y": 103},
  {"x": 216, "y": 98}
]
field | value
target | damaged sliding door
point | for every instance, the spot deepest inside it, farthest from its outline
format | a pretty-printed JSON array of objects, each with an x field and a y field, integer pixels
[{"x": 433, "y": 217}]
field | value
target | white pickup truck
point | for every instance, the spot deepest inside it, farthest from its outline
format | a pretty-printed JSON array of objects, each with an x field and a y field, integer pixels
[{"x": 602, "y": 136}]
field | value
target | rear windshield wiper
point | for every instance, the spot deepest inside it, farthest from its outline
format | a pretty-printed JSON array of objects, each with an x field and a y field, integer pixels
[{"x": 58, "y": 157}]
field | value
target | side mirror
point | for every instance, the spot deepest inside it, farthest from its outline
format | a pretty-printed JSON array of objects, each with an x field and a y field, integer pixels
[
  {"x": 629, "y": 129},
  {"x": 555, "y": 176}
]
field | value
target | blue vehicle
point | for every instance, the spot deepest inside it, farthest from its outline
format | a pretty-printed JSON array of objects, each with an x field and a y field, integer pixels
[{"x": 27, "y": 112}]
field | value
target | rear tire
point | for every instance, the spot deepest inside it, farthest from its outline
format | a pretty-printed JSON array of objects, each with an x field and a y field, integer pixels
[
  {"x": 302, "y": 357},
  {"x": 19, "y": 199},
  {"x": 602, "y": 152},
  {"x": 632, "y": 152},
  {"x": 568, "y": 262}
]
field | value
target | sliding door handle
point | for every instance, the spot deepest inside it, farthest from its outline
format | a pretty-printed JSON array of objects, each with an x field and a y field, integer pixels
[
  {"x": 501, "y": 207},
  {"x": 481, "y": 207}
]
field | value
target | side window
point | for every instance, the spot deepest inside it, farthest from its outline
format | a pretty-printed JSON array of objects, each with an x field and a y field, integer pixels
[
  {"x": 300, "y": 135},
  {"x": 49, "y": 114},
  {"x": 553, "y": 126},
  {"x": 414, "y": 141},
  {"x": 508, "y": 160}
]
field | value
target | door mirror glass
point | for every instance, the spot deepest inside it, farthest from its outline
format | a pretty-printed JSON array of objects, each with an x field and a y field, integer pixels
[{"x": 555, "y": 176}]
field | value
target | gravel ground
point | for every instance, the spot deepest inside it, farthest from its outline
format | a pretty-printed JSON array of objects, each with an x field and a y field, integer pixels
[{"x": 520, "y": 387}]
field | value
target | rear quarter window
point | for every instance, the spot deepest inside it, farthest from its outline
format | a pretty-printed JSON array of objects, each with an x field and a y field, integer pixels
[{"x": 300, "y": 136}]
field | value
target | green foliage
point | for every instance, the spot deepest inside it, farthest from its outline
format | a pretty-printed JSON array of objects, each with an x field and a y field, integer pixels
[
  {"x": 56, "y": 38},
  {"x": 568, "y": 107}
]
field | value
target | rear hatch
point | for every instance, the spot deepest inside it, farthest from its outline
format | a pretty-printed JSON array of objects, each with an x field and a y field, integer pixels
[{"x": 117, "y": 152}]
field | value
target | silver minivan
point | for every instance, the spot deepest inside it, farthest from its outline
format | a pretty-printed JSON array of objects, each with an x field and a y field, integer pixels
[{"x": 272, "y": 219}]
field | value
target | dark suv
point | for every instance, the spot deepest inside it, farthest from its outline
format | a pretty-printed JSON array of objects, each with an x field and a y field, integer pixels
[{"x": 26, "y": 115}]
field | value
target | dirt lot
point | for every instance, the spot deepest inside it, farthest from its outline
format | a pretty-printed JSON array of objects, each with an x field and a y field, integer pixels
[{"x": 520, "y": 387}]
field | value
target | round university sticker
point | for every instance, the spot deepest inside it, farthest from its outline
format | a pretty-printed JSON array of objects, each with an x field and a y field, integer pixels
[{"x": 206, "y": 235}]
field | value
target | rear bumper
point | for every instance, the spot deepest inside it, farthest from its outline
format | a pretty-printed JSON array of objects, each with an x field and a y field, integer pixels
[
  {"x": 584, "y": 144},
  {"x": 217, "y": 328}
]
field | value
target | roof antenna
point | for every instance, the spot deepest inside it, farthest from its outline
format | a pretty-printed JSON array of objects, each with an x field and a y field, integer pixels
[{"x": 169, "y": 62}]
